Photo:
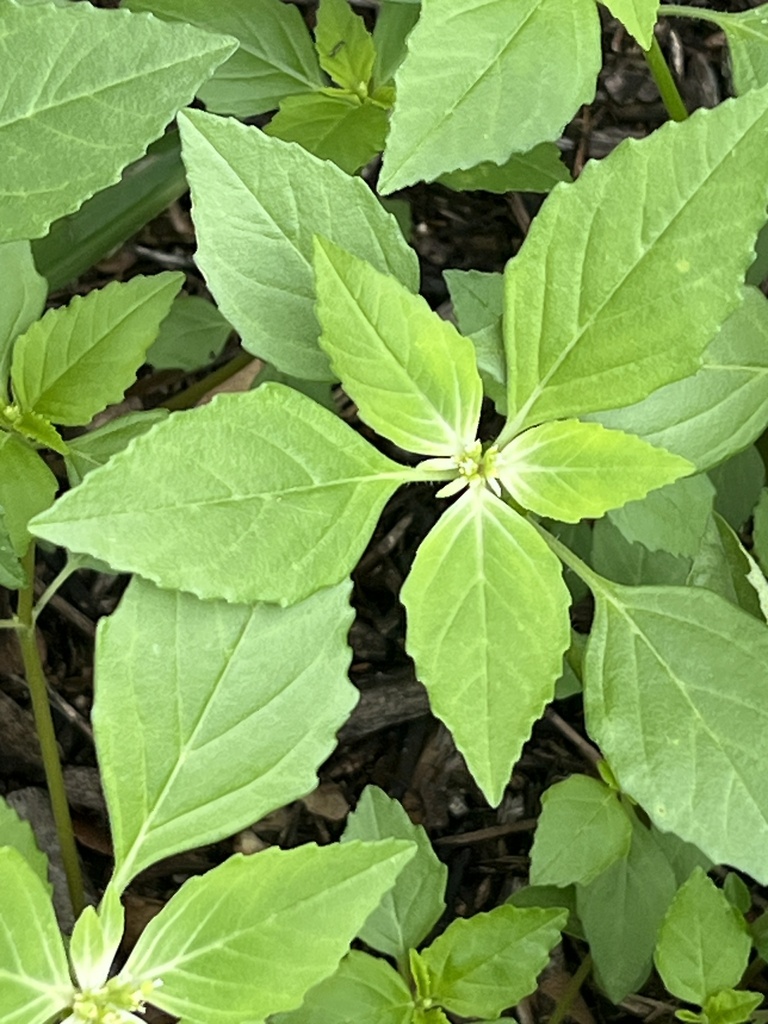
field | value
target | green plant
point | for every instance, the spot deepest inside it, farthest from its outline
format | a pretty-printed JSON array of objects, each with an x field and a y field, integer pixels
[{"x": 625, "y": 352}]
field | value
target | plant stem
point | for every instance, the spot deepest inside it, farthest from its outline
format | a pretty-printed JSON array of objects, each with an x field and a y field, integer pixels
[
  {"x": 191, "y": 396},
  {"x": 70, "y": 566},
  {"x": 572, "y": 989},
  {"x": 670, "y": 96},
  {"x": 41, "y": 709}
]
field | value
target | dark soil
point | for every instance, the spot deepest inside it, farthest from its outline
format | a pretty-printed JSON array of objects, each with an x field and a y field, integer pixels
[{"x": 391, "y": 739}]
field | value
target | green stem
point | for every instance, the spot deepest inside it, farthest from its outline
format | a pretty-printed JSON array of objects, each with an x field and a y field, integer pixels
[
  {"x": 70, "y": 566},
  {"x": 572, "y": 989},
  {"x": 41, "y": 710},
  {"x": 700, "y": 13},
  {"x": 670, "y": 96},
  {"x": 191, "y": 396}
]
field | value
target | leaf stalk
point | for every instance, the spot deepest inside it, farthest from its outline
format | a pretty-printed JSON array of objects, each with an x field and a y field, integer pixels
[
  {"x": 41, "y": 710},
  {"x": 670, "y": 96}
]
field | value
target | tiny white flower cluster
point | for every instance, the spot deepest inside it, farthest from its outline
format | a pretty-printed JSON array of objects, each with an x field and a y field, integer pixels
[{"x": 474, "y": 468}]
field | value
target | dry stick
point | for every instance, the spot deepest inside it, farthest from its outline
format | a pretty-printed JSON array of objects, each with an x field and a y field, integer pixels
[
  {"x": 41, "y": 710},
  {"x": 592, "y": 754}
]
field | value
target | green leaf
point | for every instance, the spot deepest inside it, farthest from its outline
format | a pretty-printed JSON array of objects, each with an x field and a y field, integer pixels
[
  {"x": 731, "y": 1006},
  {"x": 673, "y": 518},
  {"x": 248, "y": 520},
  {"x": 736, "y": 891},
  {"x": 12, "y": 573},
  {"x": 571, "y": 470},
  {"x": 257, "y": 202},
  {"x": 344, "y": 46},
  {"x": 275, "y": 57},
  {"x": 723, "y": 566},
  {"x": 24, "y": 292},
  {"x": 647, "y": 301},
  {"x": 91, "y": 112},
  {"x": 618, "y": 559},
  {"x": 414, "y": 904},
  {"x": 760, "y": 531},
  {"x": 362, "y": 989},
  {"x": 719, "y": 410},
  {"x": 621, "y": 912},
  {"x": 410, "y": 373},
  {"x": 478, "y": 299},
  {"x": 334, "y": 126},
  {"x": 80, "y": 358},
  {"x": 16, "y": 832},
  {"x": 481, "y": 965},
  {"x": 27, "y": 487},
  {"x": 582, "y": 830},
  {"x": 488, "y": 654},
  {"x": 550, "y": 896},
  {"x": 34, "y": 974},
  {"x": 497, "y": 105},
  {"x": 746, "y": 34},
  {"x": 703, "y": 943},
  {"x": 738, "y": 483},
  {"x": 95, "y": 448},
  {"x": 686, "y": 748},
  {"x": 394, "y": 22},
  {"x": 537, "y": 171},
  {"x": 190, "y": 337},
  {"x": 147, "y": 187},
  {"x": 200, "y": 757},
  {"x": 637, "y": 16},
  {"x": 251, "y": 936},
  {"x": 682, "y": 857}
]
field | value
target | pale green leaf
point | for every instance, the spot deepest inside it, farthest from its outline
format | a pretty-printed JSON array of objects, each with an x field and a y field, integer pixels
[
  {"x": 673, "y": 518},
  {"x": 257, "y": 202},
  {"x": 27, "y": 487},
  {"x": 224, "y": 739},
  {"x": 85, "y": 91},
  {"x": 488, "y": 654},
  {"x": 478, "y": 299},
  {"x": 621, "y": 912},
  {"x": 95, "y": 940},
  {"x": 344, "y": 45},
  {"x": 550, "y": 896},
  {"x": 34, "y": 975},
  {"x": 82, "y": 357},
  {"x": 637, "y": 16},
  {"x": 24, "y": 292},
  {"x": 644, "y": 302},
  {"x": 736, "y": 891},
  {"x": 95, "y": 448},
  {"x": 278, "y": 501},
  {"x": 581, "y": 831},
  {"x": 571, "y": 470},
  {"x": 16, "y": 832},
  {"x": 719, "y": 410},
  {"x": 410, "y": 373},
  {"x": 275, "y": 57},
  {"x": 537, "y": 171},
  {"x": 340, "y": 128},
  {"x": 250, "y": 937},
  {"x": 731, "y": 1006},
  {"x": 414, "y": 904},
  {"x": 680, "y": 742},
  {"x": 703, "y": 942},
  {"x": 362, "y": 989},
  {"x": 394, "y": 22},
  {"x": 490, "y": 99},
  {"x": 190, "y": 337},
  {"x": 481, "y": 965}
]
